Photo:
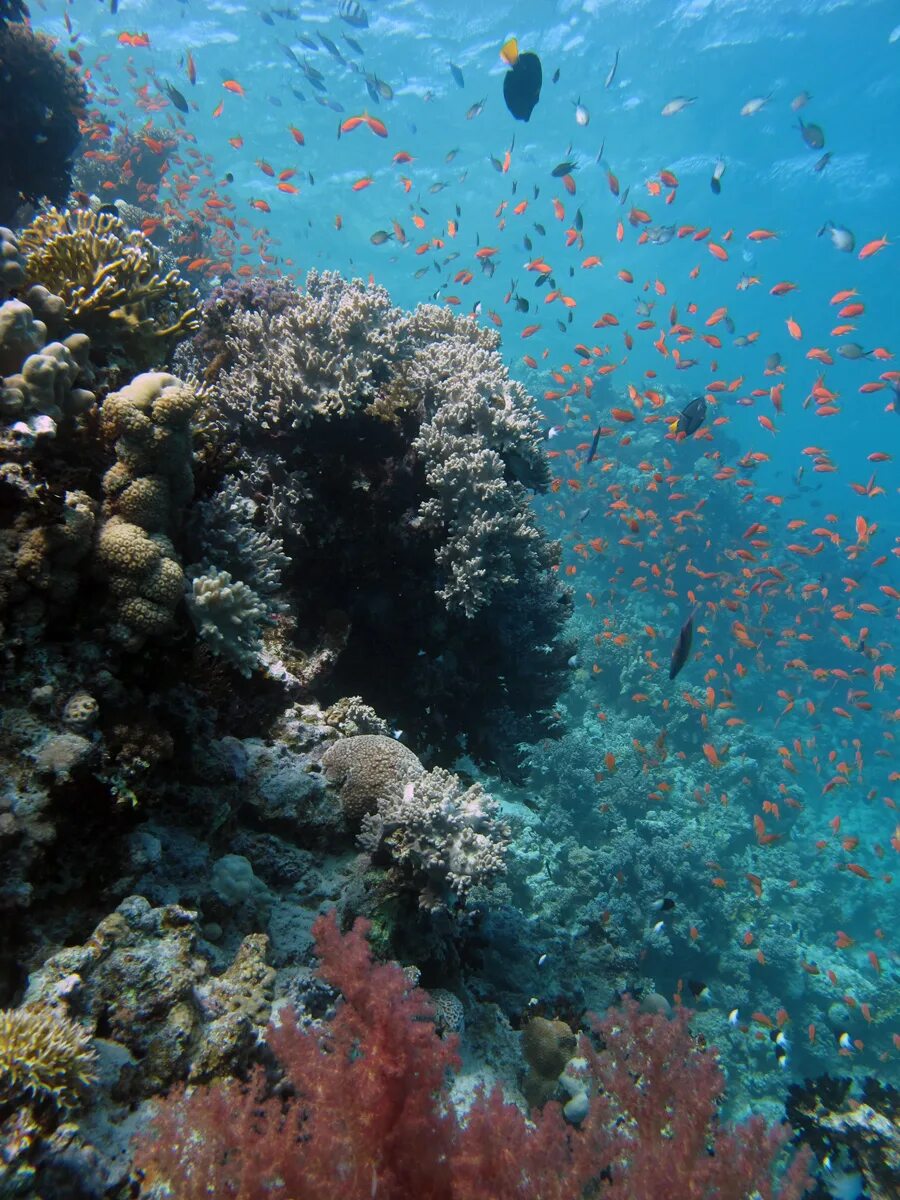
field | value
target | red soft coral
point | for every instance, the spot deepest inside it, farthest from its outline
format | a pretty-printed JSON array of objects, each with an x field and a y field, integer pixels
[{"x": 362, "y": 1112}]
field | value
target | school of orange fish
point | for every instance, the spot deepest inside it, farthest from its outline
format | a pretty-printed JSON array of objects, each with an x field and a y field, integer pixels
[{"x": 799, "y": 606}]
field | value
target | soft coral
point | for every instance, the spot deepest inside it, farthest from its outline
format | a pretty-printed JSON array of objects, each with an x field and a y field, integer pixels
[{"x": 362, "y": 1112}]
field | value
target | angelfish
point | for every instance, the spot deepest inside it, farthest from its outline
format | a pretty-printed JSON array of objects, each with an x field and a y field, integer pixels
[{"x": 682, "y": 647}]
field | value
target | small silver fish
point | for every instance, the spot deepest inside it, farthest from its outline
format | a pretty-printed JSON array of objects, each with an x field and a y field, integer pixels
[
  {"x": 582, "y": 116},
  {"x": 677, "y": 105},
  {"x": 800, "y": 101},
  {"x": 612, "y": 71},
  {"x": 752, "y": 107}
]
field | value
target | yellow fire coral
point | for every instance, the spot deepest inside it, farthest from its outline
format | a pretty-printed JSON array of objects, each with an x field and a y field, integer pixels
[
  {"x": 44, "y": 1058},
  {"x": 112, "y": 280}
]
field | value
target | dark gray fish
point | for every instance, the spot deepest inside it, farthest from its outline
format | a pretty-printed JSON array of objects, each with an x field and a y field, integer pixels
[
  {"x": 852, "y": 350},
  {"x": 421, "y": 271},
  {"x": 682, "y": 647},
  {"x": 540, "y": 229},
  {"x": 813, "y": 135},
  {"x": 527, "y": 243},
  {"x": 691, "y": 417},
  {"x": 267, "y": 18},
  {"x": 311, "y": 73},
  {"x": 592, "y": 453},
  {"x": 773, "y": 362},
  {"x": 380, "y": 236},
  {"x": 353, "y": 14},
  {"x": 564, "y": 168},
  {"x": 275, "y": 101},
  {"x": 333, "y": 49},
  {"x": 457, "y": 75},
  {"x": 436, "y": 187},
  {"x": 176, "y": 97},
  {"x": 496, "y": 163},
  {"x": 113, "y": 6},
  {"x": 317, "y": 83},
  {"x": 327, "y": 102},
  {"x": 305, "y": 40},
  {"x": 300, "y": 96},
  {"x": 476, "y": 110},
  {"x": 579, "y": 220},
  {"x": 373, "y": 92},
  {"x": 612, "y": 71},
  {"x": 555, "y": 78},
  {"x": 354, "y": 46},
  {"x": 823, "y": 162},
  {"x": 450, "y": 155},
  {"x": 291, "y": 55},
  {"x": 522, "y": 304}
]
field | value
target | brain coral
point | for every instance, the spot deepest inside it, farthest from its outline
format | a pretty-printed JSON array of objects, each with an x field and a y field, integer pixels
[
  {"x": 390, "y": 460},
  {"x": 367, "y": 770}
]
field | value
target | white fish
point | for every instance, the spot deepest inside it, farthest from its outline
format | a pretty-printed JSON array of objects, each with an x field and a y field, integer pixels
[
  {"x": 841, "y": 237},
  {"x": 582, "y": 116},
  {"x": 733, "y": 1017},
  {"x": 753, "y": 106},
  {"x": 845, "y": 1042},
  {"x": 894, "y": 35},
  {"x": 676, "y": 105}
]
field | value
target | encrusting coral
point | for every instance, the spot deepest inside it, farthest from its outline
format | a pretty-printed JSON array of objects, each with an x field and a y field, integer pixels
[{"x": 112, "y": 281}]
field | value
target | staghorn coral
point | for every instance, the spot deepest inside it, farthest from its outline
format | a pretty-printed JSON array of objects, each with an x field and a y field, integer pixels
[
  {"x": 45, "y": 1058},
  {"x": 41, "y": 99},
  {"x": 111, "y": 280}
]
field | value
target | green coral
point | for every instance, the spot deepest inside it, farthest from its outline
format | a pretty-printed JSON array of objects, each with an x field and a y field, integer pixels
[
  {"x": 44, "y": 1058},
  {"x": 112, "y": 281}
]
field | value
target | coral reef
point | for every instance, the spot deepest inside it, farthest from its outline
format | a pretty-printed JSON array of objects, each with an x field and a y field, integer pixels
[
  {"x": 438, "y": 839},
  {"x": 112, "y": 281},
  {"x": 41, "y": 100},
  {"x": 142, "y": 980},
  {"x": 649, "y": 1130},
  {"x": 444, "y": 591},
  {"x": 227, "y": 615}
]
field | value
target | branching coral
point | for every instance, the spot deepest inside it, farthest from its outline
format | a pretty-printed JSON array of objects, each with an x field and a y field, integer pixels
[
  {"x": 112, "y": 281},
  {"x": 228, "y": 616},
  {"x": 438, "y": 839},
  {"x": 390, "y": 457}
]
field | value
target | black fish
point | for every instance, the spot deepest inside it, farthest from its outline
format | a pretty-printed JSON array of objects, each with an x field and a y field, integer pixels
[
  {"x": 682, "y": 646},
  {"x": 176, "y": 97},
  {"x": 563, "y": 168},
  {"x": 353, "y": 14},
  {"x": 692, "y": 417},
  {"x": 592, "y": 453},
  {"x": 522, "y": 85},
  {"x": 556, "y": 75},
  {"x": 812, "y": 134}
]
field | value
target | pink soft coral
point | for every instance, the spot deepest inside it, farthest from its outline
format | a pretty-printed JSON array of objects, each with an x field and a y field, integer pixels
[{"x": 362, "y": 1112}]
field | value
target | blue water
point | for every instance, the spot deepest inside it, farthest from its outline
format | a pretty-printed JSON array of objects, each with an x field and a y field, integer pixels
[{"x": 618, "y": 840}]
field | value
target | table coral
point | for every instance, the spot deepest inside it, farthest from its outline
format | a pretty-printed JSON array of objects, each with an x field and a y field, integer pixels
[{"x": 112, "y": 281}]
